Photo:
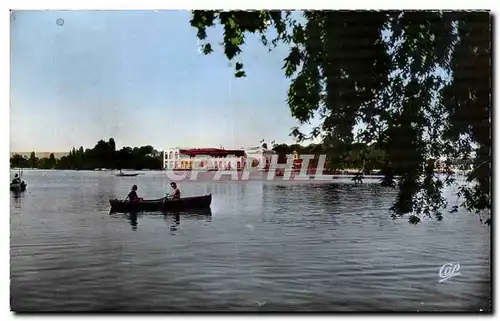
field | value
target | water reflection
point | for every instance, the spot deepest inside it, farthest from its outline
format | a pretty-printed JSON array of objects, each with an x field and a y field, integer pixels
[
  {"x": 200, "y": 214},
  {"x": 133, "y": 220},
  {"x": 17, "y": 197},
  {"x": 195, "y": 214},
  {"x": 16, "y": 194},
  {"x": 177, "y": 222},
  {"x": 192, "y": 214}
]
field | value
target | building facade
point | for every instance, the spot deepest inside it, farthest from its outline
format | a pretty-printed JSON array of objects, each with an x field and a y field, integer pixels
[
  {"x": 259, "y": 157},
  {"x": 217, "y": 158},
  {"x": 210, "y": 158}
]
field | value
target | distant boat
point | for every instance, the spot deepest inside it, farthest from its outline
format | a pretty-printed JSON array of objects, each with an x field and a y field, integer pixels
[
  {"x": 18, "y": 187},
  {"x": 125, "y": 175}
]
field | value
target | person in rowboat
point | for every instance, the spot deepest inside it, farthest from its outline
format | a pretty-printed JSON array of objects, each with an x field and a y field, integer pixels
[
  {"x": 176, "y": 194},
  {"x": 132, "y": 196},
  {"x": 16, "y": 179}
]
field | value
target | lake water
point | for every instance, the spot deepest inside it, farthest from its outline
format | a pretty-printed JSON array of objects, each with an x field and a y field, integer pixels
[{"x": 268, "y": 246}]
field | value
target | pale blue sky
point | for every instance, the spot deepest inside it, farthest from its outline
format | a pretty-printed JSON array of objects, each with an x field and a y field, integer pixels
[{"x": 137, "y": 76}]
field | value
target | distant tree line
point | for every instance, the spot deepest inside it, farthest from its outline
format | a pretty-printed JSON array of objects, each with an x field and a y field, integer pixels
[
  {"x": 17, "y": 160},
  {"x": 103, "y": 155}
]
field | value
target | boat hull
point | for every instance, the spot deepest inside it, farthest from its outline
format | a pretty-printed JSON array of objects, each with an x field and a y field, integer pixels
[
  {"x": 183, "y": 204},
  {"x": 126, "y": 175},
  {"x": 18, "y": 187}
]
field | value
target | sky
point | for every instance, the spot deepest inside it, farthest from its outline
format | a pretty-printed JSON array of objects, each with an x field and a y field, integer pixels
[{"x": 138, "y": 76}]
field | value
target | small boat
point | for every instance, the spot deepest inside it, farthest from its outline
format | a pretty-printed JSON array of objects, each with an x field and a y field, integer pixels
[
  {"x": 125, "y": 175},
  {"x": 162, "y": 204},
  {"x": 18, "y": 187}
]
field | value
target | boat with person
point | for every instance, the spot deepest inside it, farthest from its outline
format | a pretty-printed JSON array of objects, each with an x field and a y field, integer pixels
[
  {"x": 122, "y": 174},
  {"x": 18, "y": 187},
  {"x": 163, "y": 204}
]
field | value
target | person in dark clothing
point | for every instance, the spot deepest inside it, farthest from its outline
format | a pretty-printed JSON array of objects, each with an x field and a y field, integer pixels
[
  {"x": 132, "y": 196},
  {"x": 176, "y": 194},
  {"x": 16, "y": 179},
  {"x": 358, "y": 178}
]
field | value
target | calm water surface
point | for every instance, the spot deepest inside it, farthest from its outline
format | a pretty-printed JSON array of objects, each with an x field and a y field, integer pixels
[{"x": 268, "y": 246}]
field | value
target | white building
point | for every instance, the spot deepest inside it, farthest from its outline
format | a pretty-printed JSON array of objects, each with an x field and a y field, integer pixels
[
  {"x": 259, "y": 157},
  {"x": 213, "y": 158}
]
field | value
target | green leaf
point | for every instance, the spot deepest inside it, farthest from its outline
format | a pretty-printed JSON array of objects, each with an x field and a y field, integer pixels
[
  {"x": 207, "y": 49},
  {"x": 240, "y": 74}
]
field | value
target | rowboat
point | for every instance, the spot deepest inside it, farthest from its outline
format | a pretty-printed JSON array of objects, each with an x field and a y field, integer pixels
[
  {"x": 162, "y": 204},
  {"x": 18, "y": 187},
  {"x": 122, "y": 174}
]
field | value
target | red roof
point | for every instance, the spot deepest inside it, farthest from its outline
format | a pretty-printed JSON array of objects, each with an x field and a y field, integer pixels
[{"x": 212, "y": 152}]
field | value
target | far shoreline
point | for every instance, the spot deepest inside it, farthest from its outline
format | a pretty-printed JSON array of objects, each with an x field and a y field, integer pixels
[{"x": 312, "y": 174}]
